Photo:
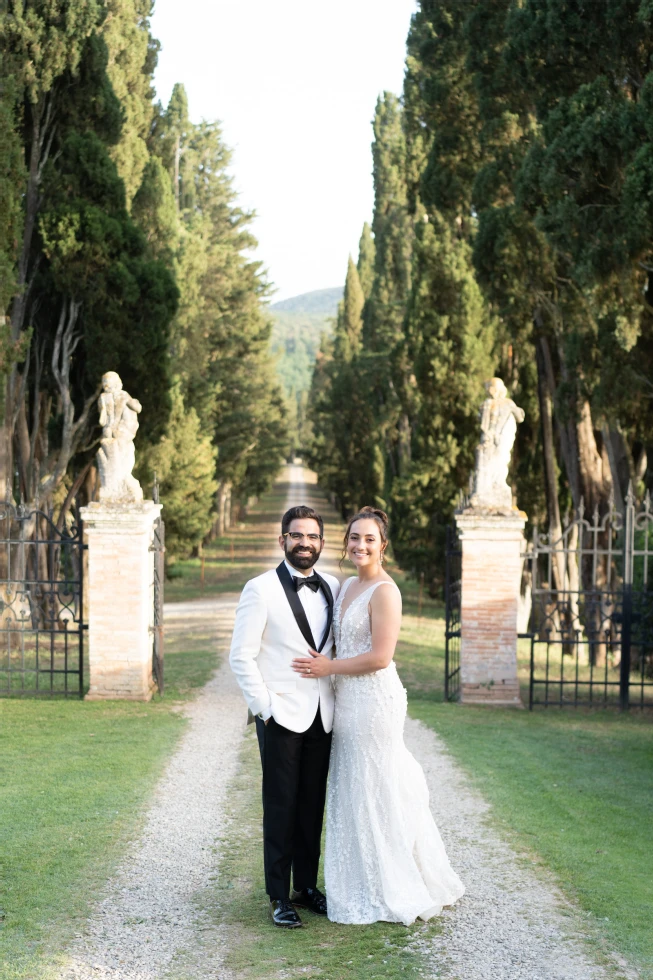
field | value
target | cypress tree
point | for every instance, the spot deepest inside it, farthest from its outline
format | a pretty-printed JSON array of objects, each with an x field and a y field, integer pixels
[
  {"x": 383, "y": 424},
  {"x": 338, "y": 408},
  {"x": 366, "y": 260},
  {"x": 93, "y": 289},
  {"x": 574, "y": 183},
  {"x": 450, "y": 345},
  {"x": 220, "y": 337},
  {"x": 132, "y": 59},
  {"x": 184, "y": 463}
]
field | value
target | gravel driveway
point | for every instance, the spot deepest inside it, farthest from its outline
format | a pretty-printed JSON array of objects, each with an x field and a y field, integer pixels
[
  {"x": 150, "y": 916},
  {"x": 512, "y": 923}
]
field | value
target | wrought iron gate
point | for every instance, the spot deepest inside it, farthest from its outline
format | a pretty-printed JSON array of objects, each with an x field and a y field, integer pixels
[
  {"x": 158, "y": 547},
  {"x": 592, "y": 611},
  {"x": 453, "y": 597},
  {"x": 41, "y": 604}
]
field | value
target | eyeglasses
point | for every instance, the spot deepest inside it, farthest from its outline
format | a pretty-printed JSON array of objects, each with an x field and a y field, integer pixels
[{"x": 296, "y": 537}]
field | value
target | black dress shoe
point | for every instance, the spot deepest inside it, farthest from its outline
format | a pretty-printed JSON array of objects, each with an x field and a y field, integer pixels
[
  {"x": 311, "y": 899},
  {"x": 283, "y": 914}
]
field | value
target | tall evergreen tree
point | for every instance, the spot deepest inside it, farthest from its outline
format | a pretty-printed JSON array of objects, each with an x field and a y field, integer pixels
[
  {"x": 366, "y": 260},
  {"x": 337, "y": 401},
  {"x": 42, "y": 47},
  {"x": 379, "y": 373},
  {"x": 84, "y": 283},
  {"x": 184, "y": 464},
  {"x": 220, "y": 338},
  {"x": 449, "y": 344},
  {"x": 132, "y": 59},
  {"x": 577, "y": 183}
]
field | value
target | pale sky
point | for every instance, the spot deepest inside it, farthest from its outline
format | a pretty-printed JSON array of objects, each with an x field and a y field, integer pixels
[{"x": 294, "y": 84}]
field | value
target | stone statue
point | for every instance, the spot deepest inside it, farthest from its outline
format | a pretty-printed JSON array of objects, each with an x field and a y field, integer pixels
[
  {"x": 116, "y": 457},
  {"x": 499, "y": 417}
]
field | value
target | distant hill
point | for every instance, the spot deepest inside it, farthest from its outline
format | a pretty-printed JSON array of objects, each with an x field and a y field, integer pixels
[
  {"x": 298, "y": 326},
  {"x": 323, "y": 301},
  {"x": 299, "y": 323}
]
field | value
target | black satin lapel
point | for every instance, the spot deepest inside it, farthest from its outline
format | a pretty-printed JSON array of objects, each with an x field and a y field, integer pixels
[
  {"x": 295, "y": 604},
  {"x": 328, "y": 595}
]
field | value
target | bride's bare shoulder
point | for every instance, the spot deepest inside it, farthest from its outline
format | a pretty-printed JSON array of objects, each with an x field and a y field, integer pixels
[{"x": 387, "y": 598}]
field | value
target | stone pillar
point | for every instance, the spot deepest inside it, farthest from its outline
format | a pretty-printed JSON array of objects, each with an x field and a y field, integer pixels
[
  {"x": 491, "y": 574},
  {"x": 120, "y": 599}
]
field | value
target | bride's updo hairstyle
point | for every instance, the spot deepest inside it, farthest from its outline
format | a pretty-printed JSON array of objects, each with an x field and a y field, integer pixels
[{"x": 367, "y": 513}]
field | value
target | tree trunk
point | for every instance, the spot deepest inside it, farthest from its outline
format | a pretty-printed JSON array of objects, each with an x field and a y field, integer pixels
[
  {"x": 566, "y": 429},
  {"x": 545, "y": 395},
  {"x": 403, "y": 444},
  {"x": 224, "y": 491},
  {"x": 6, "y": 462},
  {"x": 227, "y": 510},
  {"x": 622, "y": 467},
  {"x": 593, "y": 464}
]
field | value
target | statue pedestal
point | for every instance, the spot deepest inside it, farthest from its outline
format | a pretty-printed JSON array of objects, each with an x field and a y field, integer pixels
[
  {"x": 492, "y": 544},
  {"x": 120, "y": 599}
]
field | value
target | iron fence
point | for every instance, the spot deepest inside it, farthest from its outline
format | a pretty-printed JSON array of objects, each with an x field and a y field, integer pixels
[
  {"x": 158, "y": 548},
  {"x": 453, "y": 598},
  {"x": 591, "y": 624},
  {"x": 41, "y": 604}
]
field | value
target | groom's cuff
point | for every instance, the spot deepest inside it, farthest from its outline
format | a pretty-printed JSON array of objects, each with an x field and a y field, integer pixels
[{"x": 265, "y": 714}]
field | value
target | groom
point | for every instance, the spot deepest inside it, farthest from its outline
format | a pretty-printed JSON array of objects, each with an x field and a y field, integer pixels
[{"x": 280, "y": 614}]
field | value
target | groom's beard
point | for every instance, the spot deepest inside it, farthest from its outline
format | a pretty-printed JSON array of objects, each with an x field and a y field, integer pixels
[{"x": 302, "y": 561}]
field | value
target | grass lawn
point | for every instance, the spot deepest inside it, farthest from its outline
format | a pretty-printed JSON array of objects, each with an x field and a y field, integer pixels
[
  {"x": 322, "y": 950},
  {"x": 73, "y": 779},
  {"x": 574, "y": 787}
]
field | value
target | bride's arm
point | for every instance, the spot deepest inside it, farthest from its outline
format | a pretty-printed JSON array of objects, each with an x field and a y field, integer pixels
[{"x": 385, "y": 617}]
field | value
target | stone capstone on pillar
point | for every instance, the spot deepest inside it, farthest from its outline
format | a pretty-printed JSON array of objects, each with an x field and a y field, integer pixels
[
  {"x": 492, "y": 546},
  {"x": 120, "y": 599}
]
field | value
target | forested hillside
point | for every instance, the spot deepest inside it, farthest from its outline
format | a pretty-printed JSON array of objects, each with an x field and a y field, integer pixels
[
  {"x": 512, "y": 233},
  {"x": 122, "y": 247},
  {"x": 299, "y": 323}
]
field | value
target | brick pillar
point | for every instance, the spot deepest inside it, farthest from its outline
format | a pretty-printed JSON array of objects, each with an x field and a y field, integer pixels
[
  {"x": 120, "y": 599},
  {"x": 491, "y": 574}
]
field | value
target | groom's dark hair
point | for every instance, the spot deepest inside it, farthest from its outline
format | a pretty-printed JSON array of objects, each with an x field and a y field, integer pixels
[{"x": 299, "y": 514}]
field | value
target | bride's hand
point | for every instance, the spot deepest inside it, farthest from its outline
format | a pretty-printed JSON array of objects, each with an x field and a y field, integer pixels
[{"x": 317, "y": 665}]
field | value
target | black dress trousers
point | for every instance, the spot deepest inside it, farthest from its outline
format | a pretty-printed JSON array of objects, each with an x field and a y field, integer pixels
[{"x": 295, "y": 767}]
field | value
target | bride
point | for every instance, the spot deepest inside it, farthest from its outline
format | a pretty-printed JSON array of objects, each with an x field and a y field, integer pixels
[{"x": 385, "y": 860}]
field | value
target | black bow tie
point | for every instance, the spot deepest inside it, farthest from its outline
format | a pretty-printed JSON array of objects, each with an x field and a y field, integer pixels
[{"x": 312, "y": 581}]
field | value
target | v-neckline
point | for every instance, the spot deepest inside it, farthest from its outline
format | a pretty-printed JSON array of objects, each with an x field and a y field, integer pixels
[{"x": 344, "y": 612}]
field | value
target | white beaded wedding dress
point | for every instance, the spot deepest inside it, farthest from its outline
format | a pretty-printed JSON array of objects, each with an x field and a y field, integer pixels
[{"x": 385, "y": 860}]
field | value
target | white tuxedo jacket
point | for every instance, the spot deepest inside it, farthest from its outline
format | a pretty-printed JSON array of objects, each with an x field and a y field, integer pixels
[{"x": 271, "y": 630}]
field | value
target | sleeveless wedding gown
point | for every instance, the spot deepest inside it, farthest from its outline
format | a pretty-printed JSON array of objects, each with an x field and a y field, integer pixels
[{"x": 385, "y": 860}]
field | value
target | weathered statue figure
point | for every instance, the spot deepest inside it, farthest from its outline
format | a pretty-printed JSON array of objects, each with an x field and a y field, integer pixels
[
  {"x": 116, "y": 457},
  {"x": 499, "y": 417}
]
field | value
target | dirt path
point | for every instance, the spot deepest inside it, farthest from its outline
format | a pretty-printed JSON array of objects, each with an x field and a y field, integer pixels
[
  {"x": 150, "y": 924},
  {"x": 150, "y": 917},
  {"x": 512, "y": 924}
]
